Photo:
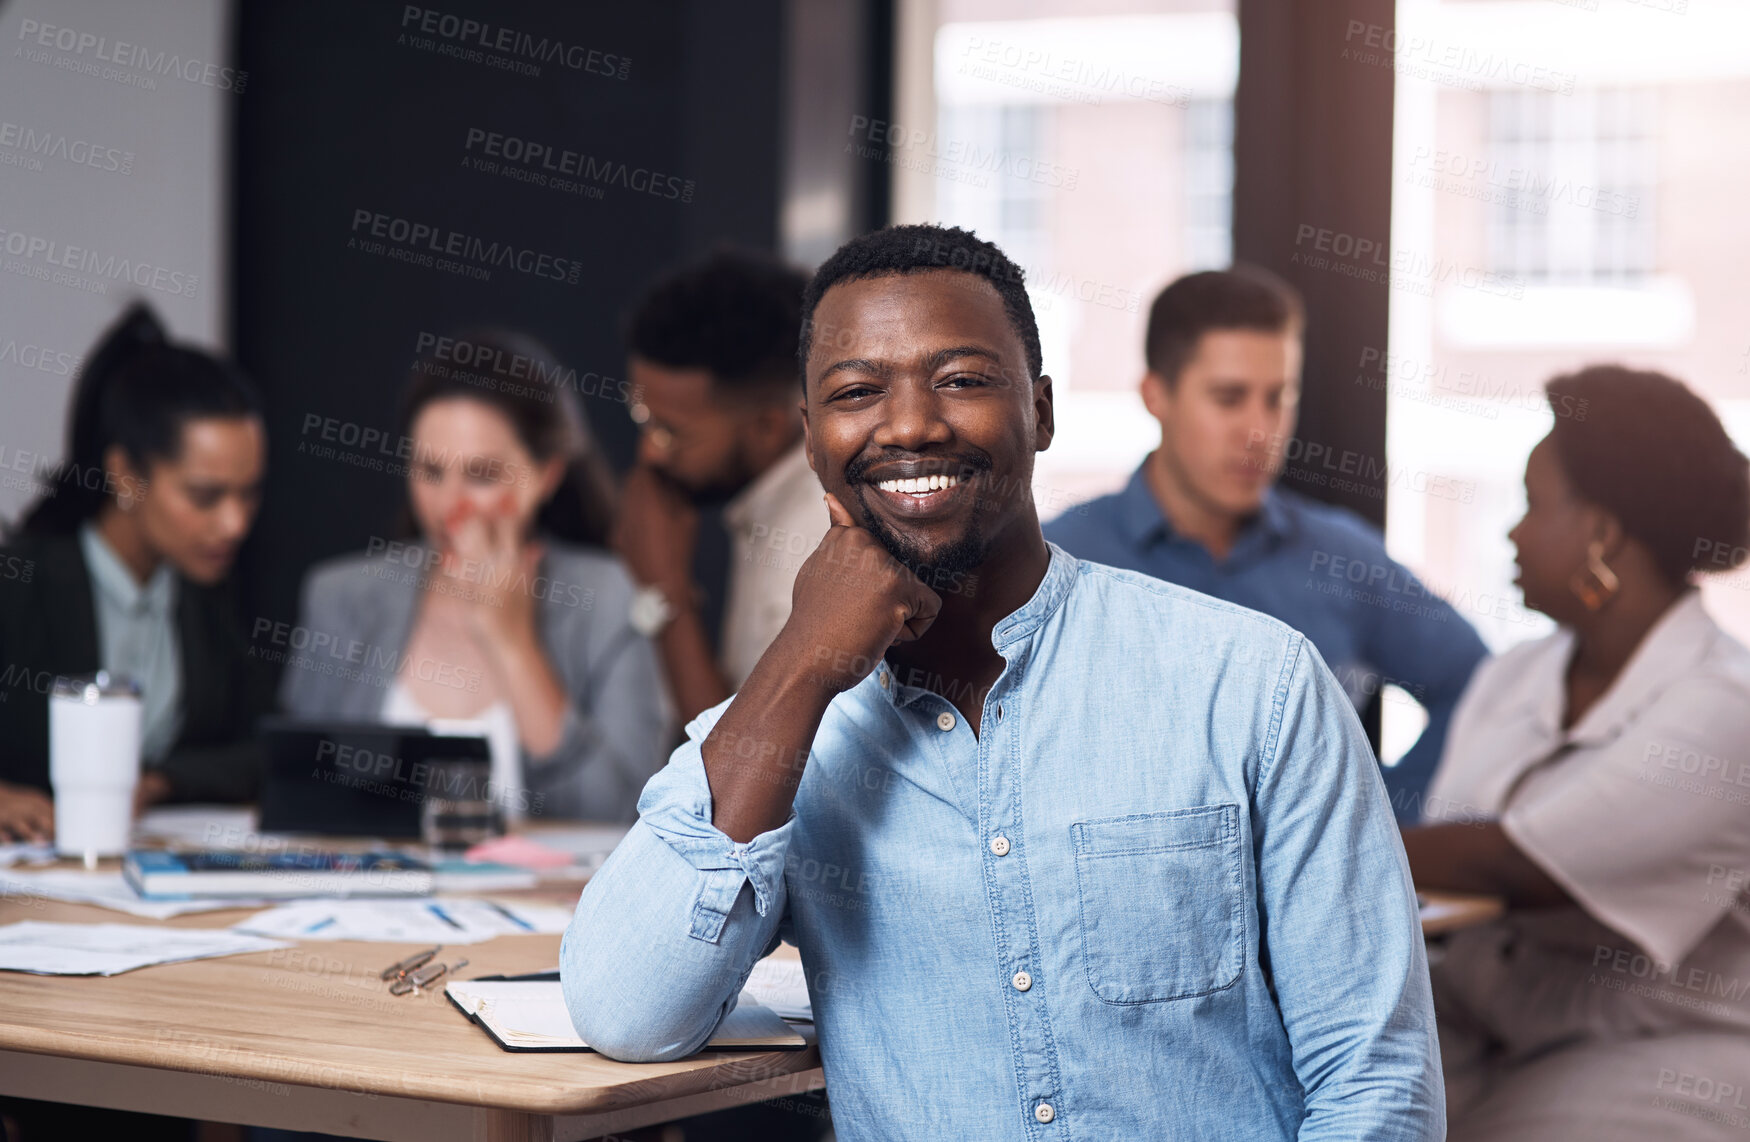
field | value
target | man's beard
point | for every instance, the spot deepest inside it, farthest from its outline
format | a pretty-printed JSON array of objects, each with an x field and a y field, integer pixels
[{"x": 964, "y": 553}]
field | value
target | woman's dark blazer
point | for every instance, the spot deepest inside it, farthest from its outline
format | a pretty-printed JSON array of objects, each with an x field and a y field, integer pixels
[{"x": 48, "y": 628}]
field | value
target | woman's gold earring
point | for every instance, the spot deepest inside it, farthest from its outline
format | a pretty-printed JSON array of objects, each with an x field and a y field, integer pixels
[{"x": 1596, "y": 584}]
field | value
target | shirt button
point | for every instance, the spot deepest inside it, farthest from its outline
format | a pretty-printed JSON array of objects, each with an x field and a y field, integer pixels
[
  {"x": 1022, "y": 981},
  {"x": 1000, "y": 846},
  {"x": 1043, "y": 1112},
  {"x": 944, "y": 721}
]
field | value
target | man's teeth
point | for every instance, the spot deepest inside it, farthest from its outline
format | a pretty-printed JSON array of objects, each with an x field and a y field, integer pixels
[{"x": 919, "y": 485}]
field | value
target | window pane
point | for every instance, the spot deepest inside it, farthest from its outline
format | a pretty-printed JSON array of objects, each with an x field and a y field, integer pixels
[
  {"x": 1588, "y": 197},
  {"x": 1093, "y": 142}
]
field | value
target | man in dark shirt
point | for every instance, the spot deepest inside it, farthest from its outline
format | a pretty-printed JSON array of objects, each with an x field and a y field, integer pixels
[{"x": 1224, "y": 353}]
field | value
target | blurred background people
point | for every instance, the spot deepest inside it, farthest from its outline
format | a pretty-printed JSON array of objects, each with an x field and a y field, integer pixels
[
  {"x": 1223, "y": 349},
  {"x": 122, "y": 565},
  {"x": 1599, "y": 780},
  {"x": 713, "y": 365},
  {"x": 500, "y": 610}
]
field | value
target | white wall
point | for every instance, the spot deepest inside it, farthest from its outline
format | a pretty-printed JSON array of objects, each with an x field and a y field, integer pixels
[{"x": 112, "y": 159}]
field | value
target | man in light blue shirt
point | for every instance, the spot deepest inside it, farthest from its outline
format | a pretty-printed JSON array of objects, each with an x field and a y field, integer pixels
[
  {"x": 1224, "y": 351},
  {"x": 1067, "y": 852}
]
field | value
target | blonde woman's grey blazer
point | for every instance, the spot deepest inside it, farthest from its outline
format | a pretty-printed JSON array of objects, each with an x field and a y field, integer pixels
[{"x": 350, "y": 645}]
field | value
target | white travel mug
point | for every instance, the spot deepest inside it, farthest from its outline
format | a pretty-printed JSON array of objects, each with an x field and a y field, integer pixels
[{"x": 94, "y": 762}]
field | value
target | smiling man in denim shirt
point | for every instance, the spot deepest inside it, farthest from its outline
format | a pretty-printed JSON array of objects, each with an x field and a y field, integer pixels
[{"x": 1068, "y": 852}]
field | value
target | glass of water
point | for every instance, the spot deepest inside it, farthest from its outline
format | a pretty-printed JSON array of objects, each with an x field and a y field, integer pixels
[{"x": 459, "y": 811}]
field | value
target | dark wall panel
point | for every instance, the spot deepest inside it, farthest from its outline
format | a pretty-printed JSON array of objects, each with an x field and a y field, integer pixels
[
  {"x": 1312, "y": 201},
  {"x": 664, "y": 115}
]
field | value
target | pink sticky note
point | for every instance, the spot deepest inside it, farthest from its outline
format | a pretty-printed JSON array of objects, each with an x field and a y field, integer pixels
[{"x": 518, "y": 851}]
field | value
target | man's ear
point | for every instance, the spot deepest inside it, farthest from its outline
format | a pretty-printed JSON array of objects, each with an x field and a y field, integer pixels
[
  {"x": 1044, "y": 413},
  {"x": 808, "y": 439},
  {"x": 1157, "y": 395}
]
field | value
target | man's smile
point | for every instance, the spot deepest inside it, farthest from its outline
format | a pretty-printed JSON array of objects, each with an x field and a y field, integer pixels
[
  {"x": 921, "y": 497},
  {"x": 919, "y": 485},
  {"x": 918, "y": 489}
]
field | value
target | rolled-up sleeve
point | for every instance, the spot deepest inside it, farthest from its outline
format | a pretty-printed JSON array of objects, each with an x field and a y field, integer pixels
[
  {"x": 1338, "y": 922},
  {"x": 667, "y": 932},
  {"x": 1647, "y": 831}
]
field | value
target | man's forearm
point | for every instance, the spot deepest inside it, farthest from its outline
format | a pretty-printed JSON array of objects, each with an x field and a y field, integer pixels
[
  {"x": 659, "y": 945},
  {"x": 755, "y": 754},
  {"x": 693, "y": 677}
]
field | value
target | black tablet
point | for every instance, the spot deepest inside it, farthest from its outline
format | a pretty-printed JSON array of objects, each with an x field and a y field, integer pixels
[{"x": 353, "y": 779}]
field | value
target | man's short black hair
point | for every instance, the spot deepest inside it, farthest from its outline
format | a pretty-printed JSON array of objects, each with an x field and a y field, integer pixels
[
  {"x": 916, "y": 250},
  {"x": 1244, "y": 297},
  {"x": 735, "y": 314}
]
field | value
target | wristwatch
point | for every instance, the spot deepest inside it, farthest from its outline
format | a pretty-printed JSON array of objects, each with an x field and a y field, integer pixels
[{"x": 651, "y": 611}]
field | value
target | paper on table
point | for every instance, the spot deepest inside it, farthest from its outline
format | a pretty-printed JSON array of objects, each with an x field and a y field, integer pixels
[
  {"x": 534, "y": 1015},
  {"x": 107, "y": 890},
  {"x": 200, "y": 826},
  {"x": 110, "y": 949},
  {"x": 444, "y": 920},
  {"x": 537, "y": 1013},
  {"x": 781, "y": 986}
]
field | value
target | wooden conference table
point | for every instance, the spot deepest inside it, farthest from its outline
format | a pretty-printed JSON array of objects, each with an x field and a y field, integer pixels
[
  {"x": 310, "y": 1039},
  {"x": 1444, "y": 912}
]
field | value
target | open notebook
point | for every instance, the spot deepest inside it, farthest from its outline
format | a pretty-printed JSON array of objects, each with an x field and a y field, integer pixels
[{"x": 530, "y": 1015}]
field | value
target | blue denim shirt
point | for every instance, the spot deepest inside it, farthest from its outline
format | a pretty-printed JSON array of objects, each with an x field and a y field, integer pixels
[
  {"x": 1159, "y": 896},
  {"x": 1322, "y": 570}
]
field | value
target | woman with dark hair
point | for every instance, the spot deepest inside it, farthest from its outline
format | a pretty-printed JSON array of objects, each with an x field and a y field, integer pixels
[
  {"x": 122, "y": 566},
  {"x": 1598, "y": 781},
  {"x": 495, "y": 614}
]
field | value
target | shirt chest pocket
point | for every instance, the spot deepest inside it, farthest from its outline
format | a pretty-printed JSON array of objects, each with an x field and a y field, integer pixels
[{"x": 1162, "y": 906}]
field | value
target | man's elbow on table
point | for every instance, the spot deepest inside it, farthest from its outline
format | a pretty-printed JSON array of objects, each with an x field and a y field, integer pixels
[
  {"x": 617, "y": 1014},
  {"x": 624, "y": 1036}
]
